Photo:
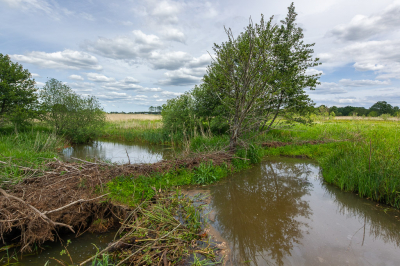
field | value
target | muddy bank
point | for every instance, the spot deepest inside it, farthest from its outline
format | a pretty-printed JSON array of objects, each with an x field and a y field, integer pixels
[{"x": 71, "y": 196}]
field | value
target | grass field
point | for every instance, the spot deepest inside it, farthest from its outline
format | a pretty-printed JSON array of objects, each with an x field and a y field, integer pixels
[{"x": 125, "y": 117}]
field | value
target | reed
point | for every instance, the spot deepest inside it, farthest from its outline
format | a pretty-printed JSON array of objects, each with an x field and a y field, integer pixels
[
  {"x": 359, "y": 156},
  {"x": 30, "y": 148}
]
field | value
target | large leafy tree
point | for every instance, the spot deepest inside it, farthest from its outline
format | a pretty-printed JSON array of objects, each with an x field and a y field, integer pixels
[
  {"x": 261, "y": 74},
  {"x": 382, "y": 107},
  {"x": 18, "y": 98}
]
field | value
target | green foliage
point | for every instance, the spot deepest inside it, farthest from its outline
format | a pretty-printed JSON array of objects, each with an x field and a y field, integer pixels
[
  {"x": 18, "y": 98},
  {"x": 373, "y": 114},
  {"x": 29, "y": 148},
  {"x": 360, "y": 156},
  {"x": 385, "y": 116},
  {"x": 206, "y": 173},
  {"x": 131, "y": 190},
  {"x": 382, "y": 107},
  {"x": 253, "y": 78},
  {"x": 178, "y": 115},
  {"x": 80, "y": 119}
]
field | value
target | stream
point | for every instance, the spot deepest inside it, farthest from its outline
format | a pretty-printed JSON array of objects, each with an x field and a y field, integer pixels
[{"x": 279, "y": 212}]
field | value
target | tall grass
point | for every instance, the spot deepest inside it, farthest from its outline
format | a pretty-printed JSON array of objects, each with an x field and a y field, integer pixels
[
  {"x": 137, "y": 130},
  {"x": 29, "y": 148},
  {"x": 360, "y": 156}
]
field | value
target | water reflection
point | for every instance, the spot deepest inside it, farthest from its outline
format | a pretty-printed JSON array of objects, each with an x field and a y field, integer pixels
[
  {"x": 119, "y": 152},
  {"x": 259, "y": 214},
  {"x": 282, "y": 213}
]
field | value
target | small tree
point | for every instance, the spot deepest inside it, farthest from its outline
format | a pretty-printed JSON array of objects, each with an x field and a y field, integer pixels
[
  {"x": 260, "y": 74},
  {"x": 18, "y": 98},
  {"x": 78, "y": 118}
]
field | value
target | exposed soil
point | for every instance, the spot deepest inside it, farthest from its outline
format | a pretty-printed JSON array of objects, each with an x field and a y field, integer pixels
[
  {"x": 70, "y": 196},
  {"x": 276, "y": 144}
]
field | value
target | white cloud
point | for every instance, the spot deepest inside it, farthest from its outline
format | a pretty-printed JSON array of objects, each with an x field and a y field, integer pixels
[
  {"x": 203, "y": 60},
  {"x": 149, "y": 89},
  {"x": 363, "y": 27},
  {"x": 67, "y": 59},
  {"x": 82, "y": 86},
  {"x": 165, "y": 11},
  {"x": 130, "y": 80},
  {"x": 328, "y": 88},
  {"x": 34, "y": 75},
  {"x": 383, "y": 57},
  {"x": 99, "y": 77},
  {"x": 313, "y": 71},
  {"x": 30, "y": 5},
  {"x": 171, "y": 93},
  {"x": 169, "y": 60},
  {"x": 76, "y": 77},
  {"x": 174, "y": 35},
  {"x": 130, "y": 47},
  {"x": 115, "y": 96},
  {"x": 362, "y": 83},
  {"x": 183, "y": 77}
]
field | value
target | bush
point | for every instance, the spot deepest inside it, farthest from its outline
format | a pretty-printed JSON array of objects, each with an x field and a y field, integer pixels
[
  {"x": 385, "y": 116},
  {"x": 80, "y": 119}
]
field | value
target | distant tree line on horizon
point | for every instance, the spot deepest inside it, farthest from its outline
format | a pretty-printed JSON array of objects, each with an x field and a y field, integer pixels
[
  {"x": 152, "y": 110},
  {"x": 377, "y": 109}
]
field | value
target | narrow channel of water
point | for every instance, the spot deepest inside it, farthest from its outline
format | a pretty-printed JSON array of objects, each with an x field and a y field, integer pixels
[
  {"x": 281, "y": 212},
  {"x": 119, "y": 152}
]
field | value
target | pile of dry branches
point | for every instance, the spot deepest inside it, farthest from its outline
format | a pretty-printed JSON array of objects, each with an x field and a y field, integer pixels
[
  {"x": 70, "y": 195},
  {"x": 159, "y": 233}
]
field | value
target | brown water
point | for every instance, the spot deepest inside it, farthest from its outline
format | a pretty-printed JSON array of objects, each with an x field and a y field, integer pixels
[
  {"x": 281, "y": 212},
  {"x": 119, "y": 152}
]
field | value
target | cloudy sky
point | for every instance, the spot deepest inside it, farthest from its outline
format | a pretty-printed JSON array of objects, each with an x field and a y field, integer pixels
[{"x": 134, "y": 54}]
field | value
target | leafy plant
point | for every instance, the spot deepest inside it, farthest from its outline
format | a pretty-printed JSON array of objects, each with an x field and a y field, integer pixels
[{"x": 79, "y": 118}]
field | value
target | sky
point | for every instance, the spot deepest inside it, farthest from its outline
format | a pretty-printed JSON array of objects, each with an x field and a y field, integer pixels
[{"x": 136, "y": 54}]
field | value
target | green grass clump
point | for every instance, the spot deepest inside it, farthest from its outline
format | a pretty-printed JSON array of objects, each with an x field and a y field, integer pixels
[
  {"x": 130, "y": 190},
  {"x": 30, "y": 148}
]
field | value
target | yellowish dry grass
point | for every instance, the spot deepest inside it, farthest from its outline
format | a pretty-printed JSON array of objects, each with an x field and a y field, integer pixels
[
  {"x": 126, "y": 117},
  {"x": 364, "y": 118}
]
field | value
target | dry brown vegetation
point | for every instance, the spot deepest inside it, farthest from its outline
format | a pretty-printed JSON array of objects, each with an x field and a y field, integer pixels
[
  {"x": 70, "y": 196},
  {"x": 125, "y": 117},
  {"x": 365, "y": 118}
]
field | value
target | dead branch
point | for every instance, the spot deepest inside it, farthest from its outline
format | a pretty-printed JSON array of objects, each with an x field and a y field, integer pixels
[
  {"x": 72, "y": 203},
  {"x": 47, "y": 219}
]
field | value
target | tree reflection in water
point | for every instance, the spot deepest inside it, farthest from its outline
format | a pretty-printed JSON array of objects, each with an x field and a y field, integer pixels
[{"x": 259, "y": 217}]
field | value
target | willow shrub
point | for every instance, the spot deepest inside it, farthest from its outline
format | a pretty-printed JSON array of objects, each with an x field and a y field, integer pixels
[{"x": 80, "y": 119}]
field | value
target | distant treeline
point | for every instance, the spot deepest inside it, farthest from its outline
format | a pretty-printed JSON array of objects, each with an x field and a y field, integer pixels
[
  {"x": 379, "y": 108},
  {"x": 142, "y": 113},
  {"x": 154, "y": 110}
]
